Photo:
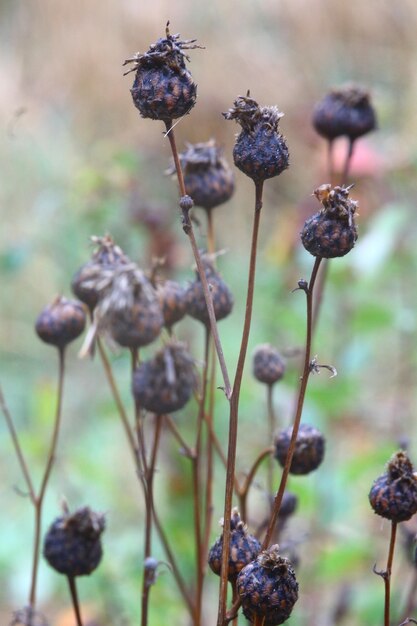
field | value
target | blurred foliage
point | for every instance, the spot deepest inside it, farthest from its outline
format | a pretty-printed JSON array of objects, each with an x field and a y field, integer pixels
[{"x": 77, "y": 160}]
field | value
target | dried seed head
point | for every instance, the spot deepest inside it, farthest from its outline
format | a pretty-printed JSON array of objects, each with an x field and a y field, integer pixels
[
  {"x": 345, "y": 111},
  {"x": 208, "y": 178},
  {"x": 165, "y": 383},
  {"x": 394, "y": 494},
  {"x": 220, "y": 293},
  {"x": 72, "y": 545},
  {"x": 309, "y": 449},
  {"x": 61, "y": 322},
  {"x": 172, "y": 301},
  {"x": 243, "y": 549},
  {"x": 268, "y": 364},
  {"x": 268, "y": 588},
  {"x": 163, "y": 88},
  {"x": 106, "y": 257},
  {"x": 332, "y": 231},
  {"x": 260, "y": 150}
]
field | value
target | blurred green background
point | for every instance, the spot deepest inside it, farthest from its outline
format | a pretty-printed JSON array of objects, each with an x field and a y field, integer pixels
[{"x": 77, "y": 160}]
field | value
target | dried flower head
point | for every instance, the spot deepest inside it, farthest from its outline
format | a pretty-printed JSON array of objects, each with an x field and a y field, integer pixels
[
  {"x": 268, "y": 364},
  {"x": 243, "y": 548},
  {"x": 394, "y": 494},
  {"x": 163, "y": 88},
  {"x": 345, "y": 111},
  {"x": 260, "y": 150},
  {"x": 208, "y": 178},
  {"x": 165, "y": 383},
  {"x": 332, "y": 231},
  {"x": 61, "y": 322}
]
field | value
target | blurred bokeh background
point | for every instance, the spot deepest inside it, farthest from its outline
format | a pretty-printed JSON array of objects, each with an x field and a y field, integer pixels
[{"x": 77, "y": 160}]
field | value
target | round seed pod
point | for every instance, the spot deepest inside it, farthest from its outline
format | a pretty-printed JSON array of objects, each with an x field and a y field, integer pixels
[
  {"x": 309, "y": 449},
  {"x": 86, "y": 281},
  {"x": 72, "y": 545},
  {"x": 172, "y": 302},
  {"x": 268, "y": 588},
  {"x": 163, "y": 88},
  {"x": 260, "y": 150},
  {"x": 220, "y": 293},
  {"x": 345, "y": 111},
  {"x": 243, "y": 549},
  {"x": 61, "y": 322},
  {"x": 268, "y": 364},
  {"x": 394, "y": 494},
  {"x": 165, "y": 383},
  {"x": 140, "y": 322},
  {"x": 208, "y": 178},
  {"x": 332, "y": 231}
]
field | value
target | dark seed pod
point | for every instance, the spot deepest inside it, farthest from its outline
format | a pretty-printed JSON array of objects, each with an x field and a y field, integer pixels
[
  {"x": 220, "y": 293},
  {"x": 72, "y": 544},
  {"x": 268, "y": 588},
  {"x": 260, "y": 150},
  {"x": 309, "y": 449},
  {"x": 173, "y": 303},
  {"x": 163, "y": 88},
  {"x": 332, "y": 231},
  {"x": 394, "y": 494},
  {"x": 268, "y": 364},
  {"x": 61, "y": 322},
  {"x": 208, "y": 178},
  {"x": 345, "y": 111},
  {"x": 165, "y": 383},
  {"x": 88, "y": 277},
  {"x": 244, "y": 548}
]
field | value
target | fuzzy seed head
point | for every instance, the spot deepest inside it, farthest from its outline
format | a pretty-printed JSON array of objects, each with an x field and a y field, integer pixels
[
  {"x": 394, "y": 494},
  {"x": 268, "y": 364},
  {"x": 163, "y": 88},
  {"x": 221, "y": 295},
  {"x": 260, "y": 150},
  {"x": 243, "y": 548},
  {"x": 72, "y": 544},
  {"x": 268, "y": 588},
  {"x": 61, "y": 322},
  {"x": 165, "y": 383},
  {"x": 309, "y": 449},
  {"x": 332, "y": 231},
  {"x": 172, "y": 302},
  {"x": 345, "y": 111}
]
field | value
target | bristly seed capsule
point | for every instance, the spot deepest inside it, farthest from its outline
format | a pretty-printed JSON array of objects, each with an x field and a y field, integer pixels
[
  {"x": 260, "y": 150},
  {"x": 394, "y": 494}
]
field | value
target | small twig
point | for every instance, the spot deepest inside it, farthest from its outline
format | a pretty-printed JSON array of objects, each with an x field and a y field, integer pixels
[
  {"x": 244, "y": 490},
  {"x": 272, "y": 426}
]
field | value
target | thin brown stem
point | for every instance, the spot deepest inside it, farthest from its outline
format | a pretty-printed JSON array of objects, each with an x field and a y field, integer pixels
[
  {"x": 272, "y": 426},
  {"x": 299, "y": 409},
  {"x": 74, "y": 598},
  {"x": 244, "y": 490},
  {"x": 387, "y": 574},
  {"x": 211, "y": 244},
  {"x": 234, "y": 407},
  {"x": 208, "y": 417},
  {"x": 330, "y": 145},
  {"x": 150, "y": 472},
  {"x": 176, "y": 433},
  {"x": 44, "y": 483},
  {"x": 18, "y": 449},
  {"x": 348, "y": 160},
  {"x": 188, "y": 229}
]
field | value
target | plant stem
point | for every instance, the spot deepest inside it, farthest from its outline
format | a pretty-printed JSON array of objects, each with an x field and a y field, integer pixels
[
  {"x": 330, "y": 145},
  {"x": 387, "y": 574},
  {"x": 74, "y": 598},
  {"x": 18, "y": 449},
  {"x": 49, "y": 463},
  {"x": 208, "y": 417},
  {"x": 211, "y": 245},
  {"x": 346, "y": 167},
  {"x": 188, "y": 229},
  {"x": 299, "y": 409},
  {"x": 234, "y": 407},
  {"x": 149, "y": 476},
  {"x": 244, "y": 490},
  {"x": 272, "y": 426},
  {"x": 411, "y": 596}
]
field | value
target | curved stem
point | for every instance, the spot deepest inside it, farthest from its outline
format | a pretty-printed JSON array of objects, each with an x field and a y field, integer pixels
[
  {"x": 234, "y": 407},
  {"x": 18, "y": 449},
  {"x": 74, "y": 598},
  {"x": 244, "y": 490},
  {"x": 188, "y": 229},
  {"x": 299, "y": 409},
  {"x": 49, "y": 463}
]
